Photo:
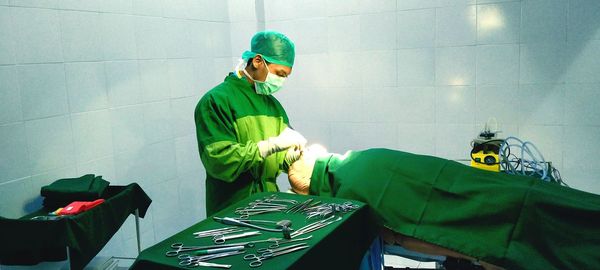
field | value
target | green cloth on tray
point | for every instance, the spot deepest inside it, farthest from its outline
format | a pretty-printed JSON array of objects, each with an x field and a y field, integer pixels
[
  {"x": 28, "y": 242},
  {"x": 64, "y": 191},
  {"x": 516, "y": 222},
  {"x": 340, "y": 245}
]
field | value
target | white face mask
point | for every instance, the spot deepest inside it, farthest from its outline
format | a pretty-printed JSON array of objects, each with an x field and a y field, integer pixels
[{"x": 272, "y": 83}]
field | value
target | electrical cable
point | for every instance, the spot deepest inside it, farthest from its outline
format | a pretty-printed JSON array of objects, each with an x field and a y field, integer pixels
[{"x": 530, "y": 163}]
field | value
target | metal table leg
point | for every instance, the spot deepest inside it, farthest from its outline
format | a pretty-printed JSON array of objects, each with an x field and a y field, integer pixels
[
  {"x": 137, "y": 230},
  {"x": 68, "y": 259}
]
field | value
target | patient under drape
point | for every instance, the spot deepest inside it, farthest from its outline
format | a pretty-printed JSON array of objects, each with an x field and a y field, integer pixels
[{"x": 516, "y": 222}]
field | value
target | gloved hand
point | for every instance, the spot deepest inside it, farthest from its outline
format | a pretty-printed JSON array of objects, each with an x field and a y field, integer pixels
[
  {"x": 292, "y": 155},
  {"x": 300, "y": 172},
  {"x": 288, "y": 138}
]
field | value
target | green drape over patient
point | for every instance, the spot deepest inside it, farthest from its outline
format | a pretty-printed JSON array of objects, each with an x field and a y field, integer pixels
[{"x": 517, "y": 222}]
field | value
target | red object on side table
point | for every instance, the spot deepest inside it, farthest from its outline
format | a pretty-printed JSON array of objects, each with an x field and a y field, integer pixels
[{"x": 77, "y": 207}]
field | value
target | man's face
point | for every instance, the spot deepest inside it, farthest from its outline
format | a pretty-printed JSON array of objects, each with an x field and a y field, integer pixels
[{"x": 262, "y": 71}]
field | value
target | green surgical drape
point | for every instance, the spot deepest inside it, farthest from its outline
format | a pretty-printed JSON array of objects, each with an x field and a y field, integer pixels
[{"x": 516, "y": 222}]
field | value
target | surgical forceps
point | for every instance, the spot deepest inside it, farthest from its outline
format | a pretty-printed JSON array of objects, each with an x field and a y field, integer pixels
[
  {"x": 315, "y": 226},
  {"x": 279, "y": 241},
  {"x": 278, "y": 224},
  {"x": 247, "y": 213},
  {"x": 220, "y": 231},
  {"x": 221, "y": 239},
  {"x": 253, "y": 243},
  {"x": 302, "y": 206},
  {"x": 273, "y": 198},
  {"x": 272, "y": 250},
  {"x": 232, "y": 221},
  {"x": 179, "y": 248},
  {"x": 193, "y": 261},
  {"x": 262, "y": 206},
  {"x": 259, "y": 207},
  {"x": 328, "y": 209},
  {"x": 256, "y": 260}
]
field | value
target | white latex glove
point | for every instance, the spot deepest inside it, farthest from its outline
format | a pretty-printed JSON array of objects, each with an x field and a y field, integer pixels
[
  {"x": 300, "y": 172},
  {"x": 292, "y": 155},
  {"x": 288, "y": 138}
]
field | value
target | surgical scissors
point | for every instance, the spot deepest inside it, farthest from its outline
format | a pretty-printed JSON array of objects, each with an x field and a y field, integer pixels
[
  {"x": 221, "y": 239},
  {"x": 256, "y": 260}
]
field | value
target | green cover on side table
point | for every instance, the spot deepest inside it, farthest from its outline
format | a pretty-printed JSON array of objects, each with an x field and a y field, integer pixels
[
  {"x": 64, "y": 191},
  {"x": 28, "y": 242},
  {"x": 340, "y": 245}
]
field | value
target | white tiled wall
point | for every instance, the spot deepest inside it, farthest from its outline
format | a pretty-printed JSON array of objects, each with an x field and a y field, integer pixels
[
  {"x": 532, "y": 64},
  {"x": 109, "y": 87}
]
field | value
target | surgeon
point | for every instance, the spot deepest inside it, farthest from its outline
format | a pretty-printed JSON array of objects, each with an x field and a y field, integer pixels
[
  {"x": 243, "y": 132},
  {"x": 441, "y": 207}
]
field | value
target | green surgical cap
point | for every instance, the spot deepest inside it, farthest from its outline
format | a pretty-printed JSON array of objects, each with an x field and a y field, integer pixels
[{"x": 273, "y": 46}]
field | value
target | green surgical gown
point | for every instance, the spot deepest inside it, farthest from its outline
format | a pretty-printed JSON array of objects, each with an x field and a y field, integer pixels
[
  {"x": 516, "y": 222},
  {"x": 230, "y": 120}
]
